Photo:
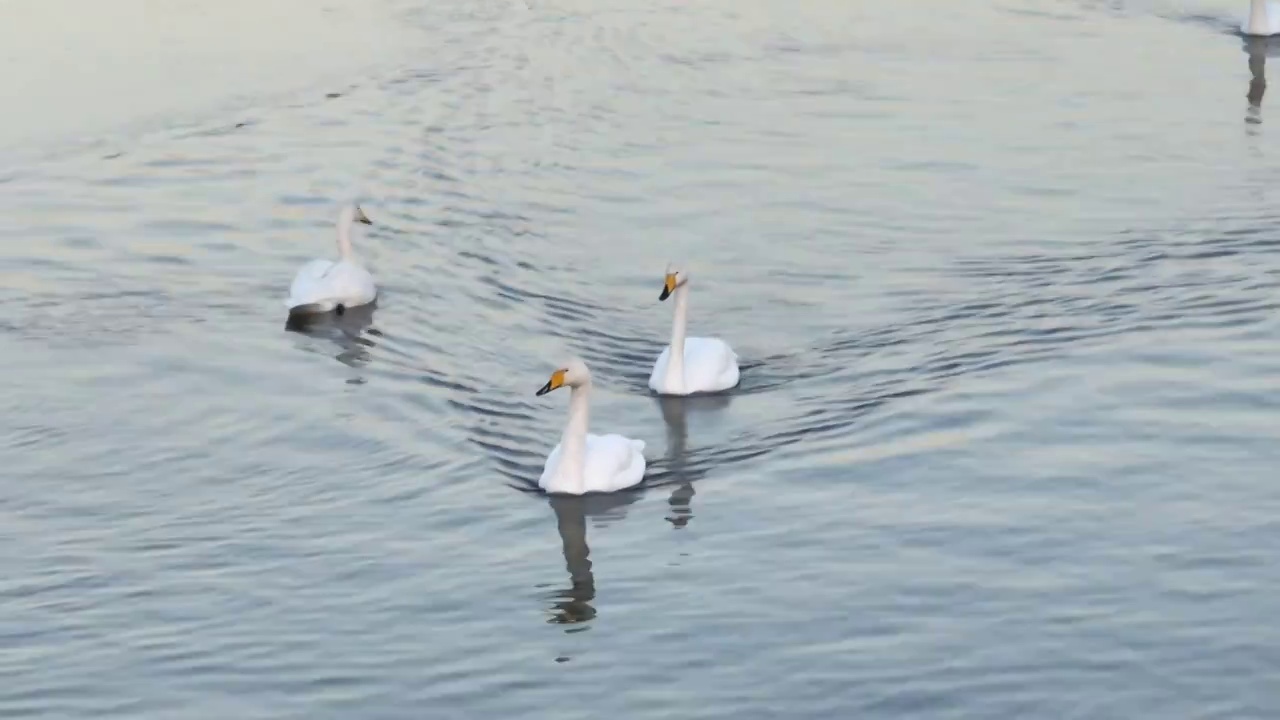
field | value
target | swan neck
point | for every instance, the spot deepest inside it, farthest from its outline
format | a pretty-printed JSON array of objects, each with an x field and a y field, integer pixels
[
  {"x": 1258, "y": 20},
  {"x": 679, "y": 323},
  {"x": 573, "y": 443},
  {"x": 344, "y": 238}
]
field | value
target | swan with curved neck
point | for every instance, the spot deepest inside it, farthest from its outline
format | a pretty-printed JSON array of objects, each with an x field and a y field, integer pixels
[
  {"x": 323, "y": 285},
  {"x": 1264, "y": 18},
  {"x": 581, "y": 462},
  {"x": 690, "y": 364}
]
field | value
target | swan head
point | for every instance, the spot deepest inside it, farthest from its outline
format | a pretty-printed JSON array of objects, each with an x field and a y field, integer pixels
[
  {"x": 573, "y": 373},
  {"x": 675, "y": 278},
  {"x": 353, "y": 213}
]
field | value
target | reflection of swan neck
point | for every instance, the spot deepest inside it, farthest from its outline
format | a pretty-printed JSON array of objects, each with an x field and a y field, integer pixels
[
  {"x": 673, "y": 414},
  {"x": 573, "y": 444},
  {"x": 1257, "y": 77},
  {"x": 571, "y": 521},
  {"x": 1259, "y": 23},
  {"x": 574, "y": 605},
  {"x": 675, "y": 361},
  {"x": 1256, "y": 47},
  {"x": 344, "y": 234}
]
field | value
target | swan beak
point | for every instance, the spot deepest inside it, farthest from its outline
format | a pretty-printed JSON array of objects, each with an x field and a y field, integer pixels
[
  {"x": 361, "y": 217},
  {"x": 557, "y": 380},
  {"x": 668, "y": 287}
]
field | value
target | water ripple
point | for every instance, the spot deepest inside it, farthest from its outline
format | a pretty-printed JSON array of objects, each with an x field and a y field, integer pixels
[{"x": 1004, "y": 428}]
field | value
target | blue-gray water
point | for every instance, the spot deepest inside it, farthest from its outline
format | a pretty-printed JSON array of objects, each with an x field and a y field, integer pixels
[{"x": 1004, "y": 280}]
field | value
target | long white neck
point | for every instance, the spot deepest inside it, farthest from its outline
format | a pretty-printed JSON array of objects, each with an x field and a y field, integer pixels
[
  {"x": 675, "y": 361},
  {"x": 344, "y": 236},
  {"x": 1258, "y": 21},
  {"x": 573, "y": 443}
]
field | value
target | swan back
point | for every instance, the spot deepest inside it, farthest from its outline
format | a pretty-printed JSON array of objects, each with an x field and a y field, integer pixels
[
  {"x": 610, "y": 463},
  {"x": 710, "y": 365},
  {"x": 322, "y": 285}
]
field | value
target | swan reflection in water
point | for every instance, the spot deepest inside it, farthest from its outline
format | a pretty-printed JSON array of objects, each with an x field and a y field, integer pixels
[
  {"x": 1258, "y": 49},
  {"x": 677, "y": 466},
  {"x": 352, "y": 332},
  {"x": 573, "y": 605}
]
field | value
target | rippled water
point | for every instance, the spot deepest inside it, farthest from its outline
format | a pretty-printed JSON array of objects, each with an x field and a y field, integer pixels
[{"x": 1004, "y": 280}]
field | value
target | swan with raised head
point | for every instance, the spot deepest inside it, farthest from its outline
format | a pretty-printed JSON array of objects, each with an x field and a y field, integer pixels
[
  {"x": 323, "y": 285},
  {"x": 690, "y": 364},
  {"x": 581, "y": 462},
  {"x": 1264, "y": 18}
]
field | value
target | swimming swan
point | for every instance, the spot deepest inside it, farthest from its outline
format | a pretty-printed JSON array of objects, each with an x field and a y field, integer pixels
[
  {"x": 690, "y": 365},
  {"x": 324, "y": 285},
  {"x": 580, "y": 462},
  {"x": 1264, "y": 18}
]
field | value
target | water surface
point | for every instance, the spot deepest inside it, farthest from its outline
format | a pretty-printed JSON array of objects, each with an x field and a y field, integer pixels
[{"x": 1003, "y": 280}]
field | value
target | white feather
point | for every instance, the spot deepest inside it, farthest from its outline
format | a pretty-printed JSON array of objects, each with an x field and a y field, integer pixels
[
  {"x": 1263, "y": 18},
  {"x": 582, "y": 462},
  {"x": 322, "y": 285},
  {"x": 704, "y": 365}
]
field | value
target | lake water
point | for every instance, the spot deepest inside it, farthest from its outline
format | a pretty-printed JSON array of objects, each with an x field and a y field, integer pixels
[{"x": 1004, "y": 279}]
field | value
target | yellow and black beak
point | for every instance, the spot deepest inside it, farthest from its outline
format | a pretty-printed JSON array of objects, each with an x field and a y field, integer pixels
[
  {"x": 668, "y": 287},
  {"x": 361, "y": 217},
  {"x": 556, "y": 381}
]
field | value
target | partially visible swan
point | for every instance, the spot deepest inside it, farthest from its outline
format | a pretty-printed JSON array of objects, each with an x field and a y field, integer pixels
[
  {"x": 581, "y": 462},
  {"x": 1264, "y": 18},
  {"x": 690, "y": 365},
  {"x": 324, "y": 285}
]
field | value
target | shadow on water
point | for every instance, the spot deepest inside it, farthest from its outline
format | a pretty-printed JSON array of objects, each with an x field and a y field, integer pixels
[
  {"x": 676, "y": 468},
  {"x": 572, "y": 605},
  {"x": 679, "y": 468},
  {"x": 1258, "y": 49},
  {"x": 1223, "y": 24},
  {"x": 352, "y": 332}
]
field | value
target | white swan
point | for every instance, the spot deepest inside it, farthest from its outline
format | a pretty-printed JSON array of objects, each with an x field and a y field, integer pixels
[
  {"x": 581, "y": 462},
  {"x": 690, "y": 365},
  {"x": 1264, "y": 18},
  {"x": 324, "y": 285}
]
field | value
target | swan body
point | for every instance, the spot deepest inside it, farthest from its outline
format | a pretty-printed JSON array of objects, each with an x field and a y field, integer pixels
[
  {"x": 710, "y": 365},
  {"x": 323, "y": 285},
  {"x": 1263, "y": 19},
  {"x": 691, "y": 364},
  {"x": 582, "y": 462}
]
